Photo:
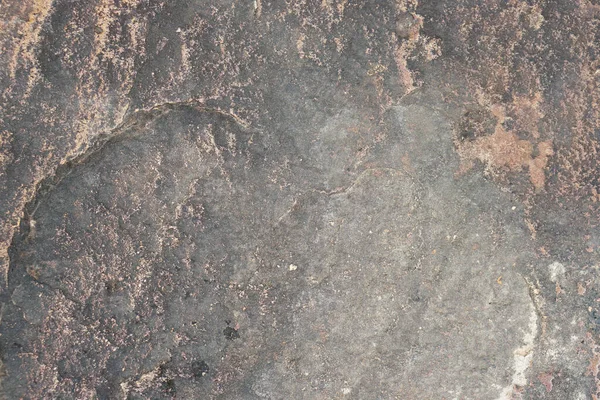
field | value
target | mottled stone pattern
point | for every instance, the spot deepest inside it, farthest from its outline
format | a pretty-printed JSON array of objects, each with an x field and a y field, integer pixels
[{"x": 299, "y": 199}]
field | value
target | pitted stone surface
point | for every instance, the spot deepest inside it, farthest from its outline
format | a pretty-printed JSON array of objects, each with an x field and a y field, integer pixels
[{"x": 268, "y": 199}]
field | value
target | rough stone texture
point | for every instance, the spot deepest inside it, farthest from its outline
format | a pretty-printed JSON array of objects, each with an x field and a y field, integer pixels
[{"x": 299, "y": 200}]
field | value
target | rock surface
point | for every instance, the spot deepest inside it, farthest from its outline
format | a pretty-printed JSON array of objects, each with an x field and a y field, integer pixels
[{"x": 299, "y": 200}]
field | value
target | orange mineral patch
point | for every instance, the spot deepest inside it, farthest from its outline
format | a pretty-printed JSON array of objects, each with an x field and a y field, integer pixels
[{"x": 505, "y": 150}]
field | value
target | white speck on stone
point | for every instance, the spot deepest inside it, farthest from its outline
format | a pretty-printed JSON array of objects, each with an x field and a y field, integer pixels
[
  {"x": 346, "y": 391},
  {"x": 522, "y": 358},
  {"x": 293, "y": 267},
  {"x": 556, "y": 270}
]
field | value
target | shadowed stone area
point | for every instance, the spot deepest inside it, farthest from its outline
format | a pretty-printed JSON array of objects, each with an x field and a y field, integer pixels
[{"x": 299, "y": 200}]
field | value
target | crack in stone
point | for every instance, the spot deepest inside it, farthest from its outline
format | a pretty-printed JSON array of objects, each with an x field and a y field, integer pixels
[
  {"x": 136, "y": 121},
  {"x": 340, "y": 190},
  {"x": 62, "y": 291},
  {"x": 357, "y": 180}
]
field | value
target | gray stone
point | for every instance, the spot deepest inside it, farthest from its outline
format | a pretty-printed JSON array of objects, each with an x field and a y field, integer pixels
[{"x": 292, "y": 200}]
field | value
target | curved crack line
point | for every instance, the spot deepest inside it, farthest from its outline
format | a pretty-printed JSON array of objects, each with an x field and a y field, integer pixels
[{"x": 136, "y": 121}]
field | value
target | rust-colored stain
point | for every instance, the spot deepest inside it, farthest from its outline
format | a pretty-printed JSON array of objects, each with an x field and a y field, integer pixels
[
  {"x": 504, "y": 150},
  {"x": 508, "y": 75},
  {"x": 411, "y": 43}
]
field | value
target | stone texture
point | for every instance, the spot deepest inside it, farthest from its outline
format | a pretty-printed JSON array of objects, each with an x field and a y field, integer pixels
[{"x": 272, "y": 200}]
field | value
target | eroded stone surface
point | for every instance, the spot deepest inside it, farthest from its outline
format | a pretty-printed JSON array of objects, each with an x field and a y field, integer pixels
[
  {"x": 174, "y": 246},
  {"x": 299, "y": 199}
]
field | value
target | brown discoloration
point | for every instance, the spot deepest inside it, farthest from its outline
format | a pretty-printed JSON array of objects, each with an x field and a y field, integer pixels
[
  {"x": 410, "y": 41},
  {"x": 537, "y": 165},
  {"x": 527, "y": 114},
  {"x": 531, "y": 227},
  {"x": 508, "y": 66},
  {"x": 504, "y": 150}
]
